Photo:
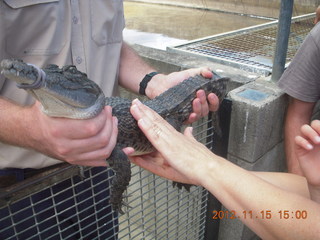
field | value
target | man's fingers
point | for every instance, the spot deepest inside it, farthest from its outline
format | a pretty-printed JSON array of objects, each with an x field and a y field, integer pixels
[
  {"x": 77, "y": 128},
  {"x": 206, "y": 72},
  {"x": 128, "y": 150},
  {"x": 213, "y": 102}
]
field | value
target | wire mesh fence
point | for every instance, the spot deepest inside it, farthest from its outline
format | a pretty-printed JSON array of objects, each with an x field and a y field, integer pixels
[
  {"x": 250, "y": 48},
  {"x": 62, "y": 204}
]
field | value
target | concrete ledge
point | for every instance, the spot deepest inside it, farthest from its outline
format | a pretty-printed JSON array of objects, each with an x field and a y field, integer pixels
[{"x": 167, "y": 62}]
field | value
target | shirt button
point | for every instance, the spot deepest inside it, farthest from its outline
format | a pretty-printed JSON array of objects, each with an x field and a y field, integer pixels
[
  {"x": 79, "y": 60},
  {"x": 75, "y": 20}
]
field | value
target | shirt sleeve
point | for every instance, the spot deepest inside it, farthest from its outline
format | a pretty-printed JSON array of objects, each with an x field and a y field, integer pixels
[{"x": 301, "y": 79}]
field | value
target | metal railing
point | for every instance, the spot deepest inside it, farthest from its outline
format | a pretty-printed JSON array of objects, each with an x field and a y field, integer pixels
[
  {"x": 60, "y": 204},
  {"x": 251, "y": 49}
]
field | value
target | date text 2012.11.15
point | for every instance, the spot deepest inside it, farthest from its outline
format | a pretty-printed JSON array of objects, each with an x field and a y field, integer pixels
[{"x": 263, "y": 214}]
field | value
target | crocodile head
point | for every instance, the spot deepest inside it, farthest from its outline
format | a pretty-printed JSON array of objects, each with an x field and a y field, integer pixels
[{"x": 63, "y": 92}]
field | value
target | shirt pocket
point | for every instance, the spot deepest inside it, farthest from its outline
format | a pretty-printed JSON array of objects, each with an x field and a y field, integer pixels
[
  {"x": 107, "y": 21},
  {"x": 34, "y": 27}
]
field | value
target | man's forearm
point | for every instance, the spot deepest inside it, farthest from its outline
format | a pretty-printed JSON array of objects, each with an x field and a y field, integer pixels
[
  {"x": 14, "y": 124},
  {"x": 132, "y": 69}
]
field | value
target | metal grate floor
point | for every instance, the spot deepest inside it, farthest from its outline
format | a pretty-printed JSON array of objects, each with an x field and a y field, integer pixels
[
  {"x": 252, "y": 48},
  {"x": 62, "y": 205}
]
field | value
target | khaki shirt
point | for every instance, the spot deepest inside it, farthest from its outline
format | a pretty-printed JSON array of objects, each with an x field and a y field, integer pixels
[{"x": 85, "y": 33}]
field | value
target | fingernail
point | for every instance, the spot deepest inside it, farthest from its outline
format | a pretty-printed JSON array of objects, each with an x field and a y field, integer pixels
[
  {"x": 141, "y": 123},
  {"x": 134, "y": 108},
  {"x": 108, "y": 109},
  {"x": 317, "y": 139},
  {"x": 309, "y": 146},
  {"x": 215, "y": 97},
  {"x": 136, "y": 101},
  {"x": 115, "y": 120}
]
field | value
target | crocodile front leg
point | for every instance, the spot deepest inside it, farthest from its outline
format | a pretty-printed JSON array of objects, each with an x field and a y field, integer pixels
[{"x": 120, "y": 163}]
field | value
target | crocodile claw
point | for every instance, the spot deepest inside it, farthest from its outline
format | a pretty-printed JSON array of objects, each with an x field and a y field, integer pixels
[{"x": 182, "y": 185}]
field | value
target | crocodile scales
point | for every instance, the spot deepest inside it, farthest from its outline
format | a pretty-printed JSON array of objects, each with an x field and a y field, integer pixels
[{"x": 67, "y": 92}]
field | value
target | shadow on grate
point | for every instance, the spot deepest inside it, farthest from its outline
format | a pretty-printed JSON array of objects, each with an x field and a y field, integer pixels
[
  {"x": 62, "y": 205},
  {"x": 251, "y": 48}
]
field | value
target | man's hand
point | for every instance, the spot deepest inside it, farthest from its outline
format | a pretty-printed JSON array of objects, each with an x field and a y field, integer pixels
[
  {"x": 201, "y": 105},
  {"x": 83, "y": 142}
]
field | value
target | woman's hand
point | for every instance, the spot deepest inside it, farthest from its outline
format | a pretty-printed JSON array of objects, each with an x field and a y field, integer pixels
[
  {"x": 182, "y": 158},
  {"x": 155, "y": 163}
]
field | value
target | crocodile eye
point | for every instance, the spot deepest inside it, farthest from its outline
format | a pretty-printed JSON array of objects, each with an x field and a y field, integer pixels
[
  {"x": 73, "y": 69},
  {"x": 70, "y": 68}
]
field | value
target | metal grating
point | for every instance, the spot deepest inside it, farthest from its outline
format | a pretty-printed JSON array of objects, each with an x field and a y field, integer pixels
[
  {"x": 252, "y": 48},
  {"x": 62, "y": 205}
]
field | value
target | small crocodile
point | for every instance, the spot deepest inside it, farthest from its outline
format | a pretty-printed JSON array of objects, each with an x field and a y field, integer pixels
[{"x": 67, "y": 92}]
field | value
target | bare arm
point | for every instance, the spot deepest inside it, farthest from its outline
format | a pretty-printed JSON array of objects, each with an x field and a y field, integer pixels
[
  {"x": 14, "y": 128},
  {"x": 286, "y": 181},
  {"x": 83, "y": 142},
  {"x": 298, "y": 114},
  {"x": 239, "y": 190},
  {"x": 132, "y": 69}
]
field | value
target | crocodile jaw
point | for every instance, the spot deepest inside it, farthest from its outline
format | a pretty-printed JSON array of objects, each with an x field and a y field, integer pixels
[
  {"x": 52, "y": 92},
  {"x": 19, "y": 72},
  {"x": 53, "y": 107}
]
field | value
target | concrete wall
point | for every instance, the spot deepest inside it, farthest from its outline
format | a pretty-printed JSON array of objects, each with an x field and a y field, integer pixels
[
  {"x": 258, "y": 108},
  {"x": 256, "y": 141}
]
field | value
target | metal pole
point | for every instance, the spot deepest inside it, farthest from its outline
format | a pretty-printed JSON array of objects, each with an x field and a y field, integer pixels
[
  {"x": 284, "y": 24},
  {"x": 220, "y": 143}
]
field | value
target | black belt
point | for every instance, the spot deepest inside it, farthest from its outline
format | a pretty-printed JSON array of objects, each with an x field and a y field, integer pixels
[{"x": 11, "y": 176}]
